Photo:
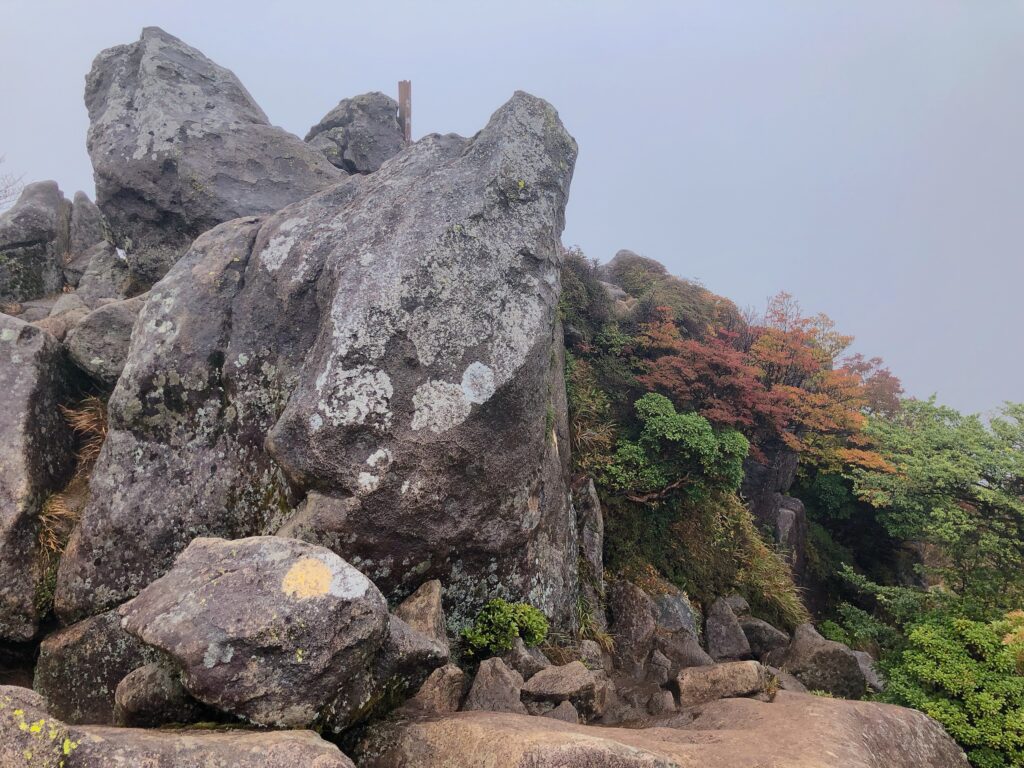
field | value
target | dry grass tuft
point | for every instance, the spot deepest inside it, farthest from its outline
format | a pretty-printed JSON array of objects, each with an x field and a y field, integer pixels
[{"x": 89, "y": 421}]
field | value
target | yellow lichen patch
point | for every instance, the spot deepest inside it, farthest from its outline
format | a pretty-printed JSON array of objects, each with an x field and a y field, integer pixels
[{"x": 307, "y": 578}]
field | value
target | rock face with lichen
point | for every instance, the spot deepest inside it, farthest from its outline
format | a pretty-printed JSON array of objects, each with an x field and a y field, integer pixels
[
  {"x": 178, "y": 146},
  {"x": 34, "y": 240},
  {"x": 386, "y": 352},
  {"x": 360, "y": 133},
  {"x": 36, "y": 458}
]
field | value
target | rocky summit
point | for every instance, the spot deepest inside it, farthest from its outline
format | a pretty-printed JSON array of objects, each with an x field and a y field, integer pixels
[{"x": 291, "y": 473}]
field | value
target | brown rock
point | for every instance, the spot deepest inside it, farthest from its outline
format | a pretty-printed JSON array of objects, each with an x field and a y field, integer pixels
[
  {"x": 698, "y": 685},
  {"x": 565, "y": 712},
  {"x": 570, "y": 682},
  {"x": 441, "y": 694},
  {"x": 152, "y": 696},
  {"x": 795, "y": 731},
  {"x": 525, "y": 661},
  {"x": 30, "y": 737},
  {"x": 496, "y": 688},
  {"x": 423, "y": 611}
]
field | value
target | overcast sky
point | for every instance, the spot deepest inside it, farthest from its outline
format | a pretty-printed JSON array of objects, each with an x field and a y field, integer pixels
[{"x": 865, "y": 156}]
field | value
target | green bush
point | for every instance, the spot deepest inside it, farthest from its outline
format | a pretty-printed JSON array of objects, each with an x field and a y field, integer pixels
[
  {"x": 499, "y": 623},
  {"x": 967, "y": 675}
]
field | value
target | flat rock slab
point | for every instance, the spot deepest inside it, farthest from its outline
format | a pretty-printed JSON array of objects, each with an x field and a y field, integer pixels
[
  {"x": 30, "y": 737},
  {"x": 698, "y": 685},
  {"x": 267, "y": 628},
  {"x": 795, "y": 731}
]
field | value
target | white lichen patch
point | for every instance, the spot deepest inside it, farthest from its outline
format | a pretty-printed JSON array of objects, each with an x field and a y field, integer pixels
[
  {"x": 354, "y": 395},
  {"x": 280, "y": 246},
  {"x": 380, "y": 458},
  {"x": 440, "y": 405},
  {"x": 217, "y": 654},
  {"x": 478, "y": 382},
  {"x": 368, "y": 483}
]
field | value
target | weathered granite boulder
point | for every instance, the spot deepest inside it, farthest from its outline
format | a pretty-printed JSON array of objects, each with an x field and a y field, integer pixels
[
  {"x": 360, "y": 133},
  {"x": 389, "y": 348},
  {"x": 36, "y": 459},
  {"x": 794, "y": 730},
  {"x": 423, "y": 611},
  {"x": 573, "y": 682},
  {"x": 440, "y": 694},
  {"x": 723, "y": 633},
  {"x": 178, "y": 146},
  {"x": 698, "y": 685},
  {"x": 496, "y": 688},
  {"x": 107, "y": 278},
  {"x": 675, "y": 613},
  {"x": 820, "y": 664},
  {"x": 683, "y": 650},
  {"x": 80, "y": 667},
  {"x": 153, "y": 695},
  {"x": 267, "y": 628},
  {"x": 34, "y": 240},
  {"x": 98, "y": 343},
  {"x": 565, "y": 712},
  {"x": 30, "y": 737},
  {"x": 762, "y": 636}
]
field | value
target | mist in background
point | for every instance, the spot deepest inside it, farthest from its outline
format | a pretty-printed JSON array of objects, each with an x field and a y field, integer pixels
[{"x": 866, "y": 157}]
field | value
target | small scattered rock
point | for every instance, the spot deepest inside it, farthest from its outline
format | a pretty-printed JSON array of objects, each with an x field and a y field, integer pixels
[
  {"x": 496, "y": 688},
  {"x": 723, "y": 633}
]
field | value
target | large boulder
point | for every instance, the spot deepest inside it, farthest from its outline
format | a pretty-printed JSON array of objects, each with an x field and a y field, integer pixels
[
  {"x": 360, "y": 133},
  {"x": 36, "y": 459},
  {"x": 98, "y": 343},
  {"x": 34, "y": 241},
  {"x": 820, "y": 664},
  {"x": 762, "y": 636},
  {"x": 387, "y": 349},
  {"x": 178, "y": 146},
  {"x": 80, "y": 667},
  {"x": 30, "y": 737},
  {"x": 634, "y": 622},
  {"x": 87, "y": 226},
  {"x": 271, "y": 629},
  {"x": 794, "y": 730}
]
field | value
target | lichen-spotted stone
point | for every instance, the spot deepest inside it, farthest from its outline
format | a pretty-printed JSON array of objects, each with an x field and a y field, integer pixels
[{"x": 307, "y": 578}]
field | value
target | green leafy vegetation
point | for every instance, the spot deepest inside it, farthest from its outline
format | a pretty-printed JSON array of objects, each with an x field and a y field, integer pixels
[{"x": 499, "y": 623}]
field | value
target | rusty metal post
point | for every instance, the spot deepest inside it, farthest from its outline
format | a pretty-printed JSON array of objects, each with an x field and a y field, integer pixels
[{"x": 405, "y": 108}]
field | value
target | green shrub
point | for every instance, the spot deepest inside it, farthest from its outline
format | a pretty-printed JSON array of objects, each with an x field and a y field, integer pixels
[
  {"x": 499, "y": 623},
  {"x": 968, "y": 675}
]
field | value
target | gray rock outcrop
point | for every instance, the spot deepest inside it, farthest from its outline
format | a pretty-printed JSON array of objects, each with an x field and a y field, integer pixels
[
  {"x": 178, "y": 146},
  {"x": 34, "y": 241},
  {"x": 98, "y": 343},
  {"x": 723, "y": 633},
  {"x": 353, "y": 349},
  {"x": 36, "y": 459},
  {"x": 820, "y": 664},
  {"x": 360, "y": 133}
]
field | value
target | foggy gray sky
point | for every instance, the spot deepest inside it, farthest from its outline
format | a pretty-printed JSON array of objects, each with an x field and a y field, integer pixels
[{"x": 866, "y": 156}]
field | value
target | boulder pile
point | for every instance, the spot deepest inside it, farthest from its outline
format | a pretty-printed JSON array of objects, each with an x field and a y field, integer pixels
[{"x": 327, "y": 424}]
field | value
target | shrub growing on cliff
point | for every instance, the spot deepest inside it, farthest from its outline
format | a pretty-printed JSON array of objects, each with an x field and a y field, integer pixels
[
  {"x": 968, "y": 675},
  {"x": 499, "y": 623}
]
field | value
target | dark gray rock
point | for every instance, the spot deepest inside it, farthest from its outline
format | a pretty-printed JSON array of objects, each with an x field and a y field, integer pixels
[
  {"x": 661, "y": 704},
  {"x": 565, "y": 712},
  {"x": 874, "y": 678},
  {"x": 762, "y": 636},
  {"x": 496, "y": 688},
  {"x": 590, "y": 520},
  {"x": 98, "y": 343},
  {"x": 360, "y": 133},
  {"x": 633, "y": 621},
  {"x": 107, "y": 277},
  {"x": 36, "y": 459},
  {"x": 178, "y": 146},
  {"x": 787, "y": 682},
  {"x": 683, "y": 650},
  {"x": 153, "y": 695},
  {"x": 34, "y": 241},
  {"x": 525, "y": 661},
  {"x": 675, "y": 613},
  {"x": 739, "y": 605},
  {"x": 573, "y": 682},
  {"x": 86, "y": 225},
  {"x": 80, "y": 667},
  {"x": 268, "y": 628},
  {"x": 723, "y": 634},
  {"x": 389, "y": 347},
  {"x": 820, "y": 664},
  {"x": 31, "y": 737}
]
